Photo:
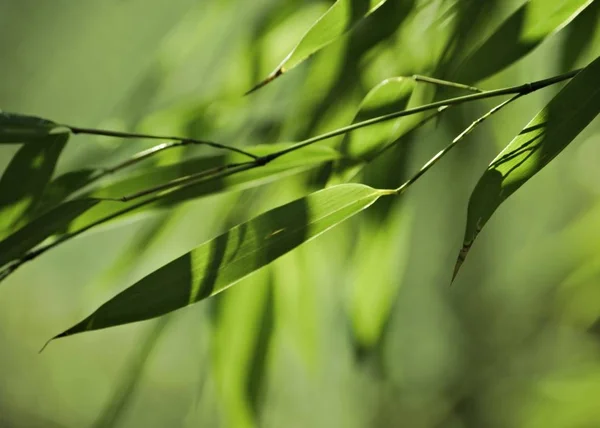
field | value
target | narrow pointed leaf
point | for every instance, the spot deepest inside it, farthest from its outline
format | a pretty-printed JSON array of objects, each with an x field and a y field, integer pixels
[
  {"x": 544, "y": 137},
  {"x": 18, "y": 128},
  {"x": 223, "y": 261},
  {"x": 522, "y": 32},
  {"x": 24, "y": 180},
  {"x": 57, "y": 219},
  {"x": 338, "y": 19},
  {"x": 293, "y": 163}
]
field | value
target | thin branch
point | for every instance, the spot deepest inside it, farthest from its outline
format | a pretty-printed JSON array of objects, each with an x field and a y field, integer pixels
[
  {"x": 454, "y": 142},
  {"x": 447, "y": 83},
  {"x": 185, "y": 181},
  {"x": 185, "y": 140},
  {"x": 12, "y": 267},
  {"x": 520, "y": 89},
  {"x": 257, "y": 161}
]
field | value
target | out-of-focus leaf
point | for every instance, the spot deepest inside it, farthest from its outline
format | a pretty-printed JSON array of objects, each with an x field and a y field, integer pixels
[
  {"x": 292, "y": 163},
  {"x": 243, "y": 330},
  {"x": 25, "y": 178},
  {"x": 33, "y": 233},
  {"x": 361, "y": 145},
  {"x": 544, "y": 137},
  {"x": 522, "y": 32},
  {"x": 223, "y": 261},
  {"x": 18, "y": 128},
  {"x": 380, "y": 261},
  {"x": 338, "y": 19},
  {"x": 578, "y": 40},
  {"x": 130, "y": 381}
]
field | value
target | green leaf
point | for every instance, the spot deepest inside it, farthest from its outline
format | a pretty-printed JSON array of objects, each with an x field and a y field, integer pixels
[
  {"x": 362, "y": 145},
  {"x": 522, "y": 32},
  {"x": 223, "y": 261},
  {"x": 18, "y": 128},
  {"x": 18, "y": 243},
  {"x": 23, "y": 183},
  {"x": 544, "y": 137},
  {"x": 292, "y": 163},
  {"x": 338, "y": 19}
]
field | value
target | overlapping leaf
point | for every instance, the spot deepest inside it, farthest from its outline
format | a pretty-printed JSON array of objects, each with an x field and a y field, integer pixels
[
  {"x": 338, "y": 19},
  {"x": 522, "y": 32},
  {"x": 24, "y": 180},
  {"x": 360, "y": 146},
  {"x": 546, "y": 135},
  {"x": 18, "y": 128},
  {"x": 225, "y": 260},
  {"x": 88, "y": 209}
]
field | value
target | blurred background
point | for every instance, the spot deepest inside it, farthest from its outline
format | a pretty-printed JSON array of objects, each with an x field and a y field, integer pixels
[{"x": 357, "y": 328}]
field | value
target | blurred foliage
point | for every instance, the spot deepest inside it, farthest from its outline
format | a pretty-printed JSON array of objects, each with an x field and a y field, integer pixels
[{"x": 356, "y": 328}]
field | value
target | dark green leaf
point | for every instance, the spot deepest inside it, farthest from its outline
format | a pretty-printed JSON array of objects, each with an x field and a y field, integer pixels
[
  {"x": 48, "y": 224},
  {"x": 338, "y": 19},
  {"x": 223, "y": 261},
  {"x": 18, "y": 128},
  {"x": 362, "y": 145},
  {"x": 290, "y": 164},
  {"x": 522, "y": 32},
  {"x": 25, "y": 178},
  {"x": 548, "y": 133}
]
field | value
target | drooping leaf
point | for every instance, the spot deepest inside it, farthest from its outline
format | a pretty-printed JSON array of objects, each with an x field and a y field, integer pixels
[
  {"x": 24, "y": 180},
  {"x": 18, "y": 128},
  {"x": 223, "y": 261},
  {"x": 522, "y": 32},
  {"x": 544, "y": 137},
  {"x": 338, "y": 19}
]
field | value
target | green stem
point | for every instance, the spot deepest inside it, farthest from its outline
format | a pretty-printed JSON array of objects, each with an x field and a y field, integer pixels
[
  {"x": 520, "y": 89},
  {"x": 454, "y": 142},
  {"x": 446, "y": 83},
  {"x": 119, "y": 134},
  {"x": 257, "y": 161}
]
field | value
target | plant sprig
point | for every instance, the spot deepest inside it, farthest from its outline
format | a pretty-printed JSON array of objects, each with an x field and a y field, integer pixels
[{"x": 156, "y": 193}]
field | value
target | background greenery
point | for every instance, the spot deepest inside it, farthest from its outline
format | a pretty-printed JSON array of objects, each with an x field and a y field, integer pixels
[{"x": 357, "y": 328}]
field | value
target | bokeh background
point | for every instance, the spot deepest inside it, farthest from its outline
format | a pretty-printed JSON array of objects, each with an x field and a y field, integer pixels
[{"x": 358, "y": 328}]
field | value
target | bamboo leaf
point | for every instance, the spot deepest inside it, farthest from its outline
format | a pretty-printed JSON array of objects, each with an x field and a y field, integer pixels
[
  {"x": 522, "y": 32},
  {"x": 33, "y": 233},
  {"x": 544, "y": 137},
  {"x": 23, "y": 183},
  {"x": 336, "y": 21},
  {"x": 284, "y": 166},
  {"x": 18, "y": 128},
  {"x": 361, "y": 146},
  {"x": 223, "y": 261}
]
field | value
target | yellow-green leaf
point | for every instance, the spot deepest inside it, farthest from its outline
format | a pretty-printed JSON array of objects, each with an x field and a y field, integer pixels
[
  {"x": 338, "y": 19},
  {"x": 544, "y": 137},
  {"x": 522, "y": 32},
  {"x": 223, "y": 261}
]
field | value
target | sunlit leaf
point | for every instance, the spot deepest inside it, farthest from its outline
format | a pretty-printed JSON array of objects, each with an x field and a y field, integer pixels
[
  {"x": 24, "y": 180},
  {"x": 293, "y": 163},
  {"x": 361, "y": 145},
  {"x": 338, "y": 19},
  {"x": 544, "y": 137},
  {"x": 522, "y": 32},
  {"x": 57, "y": 219},
  {"x": 18, "y": 128},
  {"x": 223, "y": 261}
]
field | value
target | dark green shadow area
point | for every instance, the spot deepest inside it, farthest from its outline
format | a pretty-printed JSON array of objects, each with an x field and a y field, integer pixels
[
  {"x": 369, "y": 32},
  {"x": 207, "y": 270},
  {"x": 24, "y": 180}
]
